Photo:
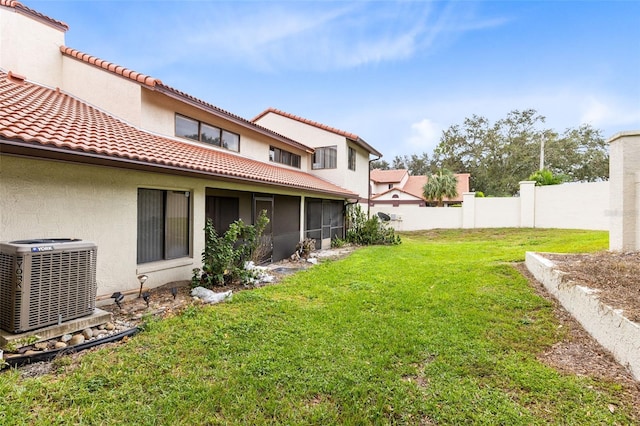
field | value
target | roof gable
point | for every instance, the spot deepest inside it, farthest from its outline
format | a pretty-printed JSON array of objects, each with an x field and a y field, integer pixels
[
  {"x": 155, "y": 84},
  {"x": 20, "y": 8},
  {"x": 388, "y": 176},
  {"x": 40, "y": 118},
  {"x": 352, "y": 136}
]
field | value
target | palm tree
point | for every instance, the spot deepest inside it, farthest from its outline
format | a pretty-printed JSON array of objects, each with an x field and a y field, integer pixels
[{"x": 440, "y": 185}]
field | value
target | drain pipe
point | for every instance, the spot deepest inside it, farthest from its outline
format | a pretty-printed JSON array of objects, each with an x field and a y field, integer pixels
[{"x": 369, "y": 186}]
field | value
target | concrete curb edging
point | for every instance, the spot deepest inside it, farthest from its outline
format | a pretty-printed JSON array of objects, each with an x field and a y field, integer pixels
[{"x": 607, "y": 325}]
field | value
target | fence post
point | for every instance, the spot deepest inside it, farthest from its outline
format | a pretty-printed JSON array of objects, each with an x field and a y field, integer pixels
[
  {"x": 527, "y": 204},
  {"x": 469, "y": 210},
  {"x": 624, "y": 199}
]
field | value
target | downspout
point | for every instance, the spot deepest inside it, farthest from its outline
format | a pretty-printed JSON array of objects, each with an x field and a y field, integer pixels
[{"x": 369, "y": 186}]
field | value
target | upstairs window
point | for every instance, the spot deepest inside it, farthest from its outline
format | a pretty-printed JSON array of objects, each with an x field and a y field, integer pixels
[
  {"x": 352, "y": 159},
  {"x": 281, "y": 156},
  {"x": 325, "y": 158},
  {"x": 198, "y": 131}
]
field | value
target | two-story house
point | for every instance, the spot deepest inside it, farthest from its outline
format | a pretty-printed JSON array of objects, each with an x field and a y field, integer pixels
[{"x": 93, "y": 150}]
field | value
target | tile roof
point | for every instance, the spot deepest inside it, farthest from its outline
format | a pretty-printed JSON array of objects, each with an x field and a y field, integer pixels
[
  {"x": 347, "y": 135},
  {"x": 157, "y": 85},
  {"x": 33, "y": 116},
  {"x": 19, "y": 7},
  {"x": 116, "y": 69},
  {"x": 388, "y": 176},
  {"x": 414, "y": 185}
]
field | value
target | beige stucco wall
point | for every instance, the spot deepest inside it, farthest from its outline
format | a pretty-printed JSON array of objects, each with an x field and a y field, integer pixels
[
  {"x": 158, "y": 116},
  {"x": 30, "y": 48},
  {"x": 356, "y": 181},
  {"x": 115, "y": 94},
  {"x": 49, "y": 199},
  {"x": 624, "y": 198}
]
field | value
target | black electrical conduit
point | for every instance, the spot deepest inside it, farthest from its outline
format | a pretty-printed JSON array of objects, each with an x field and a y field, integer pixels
[{"x": 18, "y": 361}]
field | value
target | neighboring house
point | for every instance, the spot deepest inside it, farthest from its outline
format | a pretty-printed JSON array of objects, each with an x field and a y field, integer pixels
[
  {"x": 339, "y": 156},
  {"x": 398, "y": 187},
  {"x": 93, "y": 150}
]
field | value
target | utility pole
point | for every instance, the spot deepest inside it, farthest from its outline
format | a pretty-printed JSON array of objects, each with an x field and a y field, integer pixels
[{"x": 542, "y": 153}]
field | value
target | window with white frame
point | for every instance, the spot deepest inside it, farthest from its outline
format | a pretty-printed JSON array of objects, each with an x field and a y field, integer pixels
[
  {"x": 164, "y": 219},
  {"x": 325, "y": 158}
]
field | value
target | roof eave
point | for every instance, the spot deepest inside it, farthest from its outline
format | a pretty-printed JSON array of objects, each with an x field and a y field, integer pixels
[{"x": 23, "y": 148}]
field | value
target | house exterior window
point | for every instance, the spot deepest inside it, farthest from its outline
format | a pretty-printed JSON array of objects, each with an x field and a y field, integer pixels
[
  {"x": 164, "y": 219},
  {"x": 325, "y": 158},
  {"x": 281, "y": 156},
  {"x": 352, "y": 159},
  {"x": 198, "y": 131}
]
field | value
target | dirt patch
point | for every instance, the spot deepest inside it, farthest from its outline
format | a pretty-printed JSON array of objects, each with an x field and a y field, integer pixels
[{"x": 617, "y": 276}]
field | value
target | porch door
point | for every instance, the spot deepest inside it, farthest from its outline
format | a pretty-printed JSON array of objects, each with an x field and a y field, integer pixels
[{"x": 265, "y": 249}]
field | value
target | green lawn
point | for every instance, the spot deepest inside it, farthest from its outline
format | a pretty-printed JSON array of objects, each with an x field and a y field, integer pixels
[{"x": 438, "y": 330}]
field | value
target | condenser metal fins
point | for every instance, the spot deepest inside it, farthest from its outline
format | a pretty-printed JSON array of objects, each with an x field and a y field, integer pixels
[{"x": 45, "y": 282}]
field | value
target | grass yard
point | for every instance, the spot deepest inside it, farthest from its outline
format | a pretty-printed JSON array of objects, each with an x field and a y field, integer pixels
[{"x": 438, "y": 330}]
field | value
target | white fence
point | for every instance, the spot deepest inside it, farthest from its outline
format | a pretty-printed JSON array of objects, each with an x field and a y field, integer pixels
[{"x": 571, "y": 205}]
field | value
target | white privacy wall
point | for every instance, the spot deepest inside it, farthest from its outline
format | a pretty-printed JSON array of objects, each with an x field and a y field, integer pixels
[{"x": 571, "y": 206}]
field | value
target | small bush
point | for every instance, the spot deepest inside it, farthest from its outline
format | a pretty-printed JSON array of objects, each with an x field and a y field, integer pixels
[
  {"x": 224, "y": 256},
  {"x": 368, "y": 231}
]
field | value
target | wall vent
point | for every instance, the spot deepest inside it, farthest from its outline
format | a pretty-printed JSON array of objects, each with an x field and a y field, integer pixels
[{"x": 45, "y": 282}]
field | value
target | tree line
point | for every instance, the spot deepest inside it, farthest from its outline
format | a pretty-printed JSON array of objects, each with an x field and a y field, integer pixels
[{"x": 501, "y": 154}]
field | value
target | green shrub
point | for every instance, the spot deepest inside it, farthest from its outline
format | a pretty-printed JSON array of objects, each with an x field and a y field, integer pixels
[
  {"x": 224, "y": 256},
  {"x": 368, "y": 231}
]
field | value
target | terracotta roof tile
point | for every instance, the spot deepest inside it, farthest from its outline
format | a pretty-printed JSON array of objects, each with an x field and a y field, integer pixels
[
  {"x": 347, "y": 135},
  {"x": 109, "y": 66},
  {"x": 19, "y": 7},
  {"x": 32, "y": 115},
  {"x": 388, "y": 176},
  {"x": 156, "y": 84}
]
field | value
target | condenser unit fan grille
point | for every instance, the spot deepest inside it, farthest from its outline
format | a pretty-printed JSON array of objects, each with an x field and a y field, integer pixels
[{"x": 59, "y": 287}]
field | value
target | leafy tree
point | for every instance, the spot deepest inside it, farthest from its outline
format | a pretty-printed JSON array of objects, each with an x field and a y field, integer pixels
[
  {"x": 499, "y": 155},
  {"x": 545, "y": 177},
  {"x": 440, "y": 185},
  {"x": 379, "y": 164},
  {"x": 418, "y": 165}
]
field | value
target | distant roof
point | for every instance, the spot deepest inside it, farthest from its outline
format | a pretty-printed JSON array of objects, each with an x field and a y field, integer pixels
[
  {"x": 49, "y": 123},
  {"x": 348, "y": 135},
  {"x": 157, "y": 85},
  {"x": 20, "y": 8},
  {"x": 388, "y": 176},
  {"x": 414, "y": 184}
]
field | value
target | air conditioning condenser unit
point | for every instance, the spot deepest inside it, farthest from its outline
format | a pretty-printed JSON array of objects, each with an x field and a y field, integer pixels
[{"x": 45, "y": 282}]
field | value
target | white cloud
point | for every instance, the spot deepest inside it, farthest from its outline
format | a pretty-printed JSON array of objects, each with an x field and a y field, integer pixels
[
  {"x": 425, "y": 135},
  {"x": 599, "y": 111},
  {"x": 322, "y": 36}
]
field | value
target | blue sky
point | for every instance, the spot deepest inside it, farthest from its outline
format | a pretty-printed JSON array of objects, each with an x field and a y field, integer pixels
[{"x": 396, "y": 73}]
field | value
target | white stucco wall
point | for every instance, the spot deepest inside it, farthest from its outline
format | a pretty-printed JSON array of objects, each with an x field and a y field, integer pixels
[
  {"x": 409, "y": 217},
  {"x": 30, "y": 48},
  {"x": 573, "y": 206},
  {"x": 624, "y": 197},
  {"x": 356, "y": 181},
  {"x": 497, "y": 212}
]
